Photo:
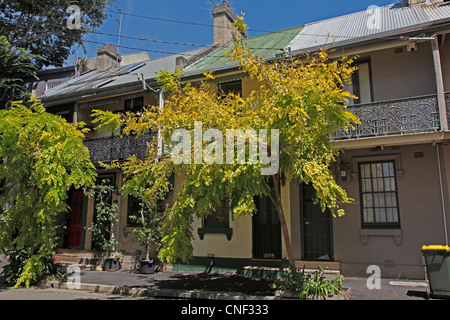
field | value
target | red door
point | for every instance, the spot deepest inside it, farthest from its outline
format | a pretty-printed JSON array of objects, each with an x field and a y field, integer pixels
[{"x": 74, "y": 238}]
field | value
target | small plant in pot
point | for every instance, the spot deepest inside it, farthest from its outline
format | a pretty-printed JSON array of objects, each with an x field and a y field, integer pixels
[
  {"x": 148, "y": 233},
  {"x": 102, "y": 228},
  {"x": 151, "y": 190}
]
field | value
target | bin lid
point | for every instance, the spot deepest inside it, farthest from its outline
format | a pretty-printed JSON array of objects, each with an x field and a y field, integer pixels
[{"x": 435, "y": 247}]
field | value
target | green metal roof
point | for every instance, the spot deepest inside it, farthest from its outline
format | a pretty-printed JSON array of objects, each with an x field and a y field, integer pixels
[{"x": 264, "y": 45}]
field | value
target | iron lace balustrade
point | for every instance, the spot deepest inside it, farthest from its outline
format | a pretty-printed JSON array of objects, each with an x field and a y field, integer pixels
[
  {"x": 394, "y": 117},
  {"x": 118, "y": 148}
]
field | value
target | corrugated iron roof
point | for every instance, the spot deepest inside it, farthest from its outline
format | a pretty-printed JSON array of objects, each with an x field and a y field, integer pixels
[
  {"x": 369, "y": 23},
  {"x": 122, "y": 75},
  {"x": 264, "y": 45}
]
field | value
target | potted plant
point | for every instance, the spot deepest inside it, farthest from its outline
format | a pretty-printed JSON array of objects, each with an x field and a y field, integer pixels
[
  {"x": 148, "y": 233},
  {"x": 102, "y": 228}
]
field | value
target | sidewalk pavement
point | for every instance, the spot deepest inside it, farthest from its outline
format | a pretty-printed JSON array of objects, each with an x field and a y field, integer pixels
[
  {"x": 223, "y": 286},
  {"x": 216, "y": 286}
]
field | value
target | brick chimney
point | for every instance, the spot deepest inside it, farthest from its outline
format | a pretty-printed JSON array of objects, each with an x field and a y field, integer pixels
[
  {"x": 107, "y": 57},
  {"x": 223, "y": 24}
]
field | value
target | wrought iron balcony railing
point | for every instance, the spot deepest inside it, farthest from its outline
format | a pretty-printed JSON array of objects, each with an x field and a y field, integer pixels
[
  {"x": 394, "y": 117},
  {"x": 118, "y": 148}
]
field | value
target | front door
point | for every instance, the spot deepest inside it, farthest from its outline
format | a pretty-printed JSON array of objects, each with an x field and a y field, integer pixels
[
  {"x": 266, "y": 230},
  {"x": 317, "y": 229},
  {"x": 75, "y": 216}
]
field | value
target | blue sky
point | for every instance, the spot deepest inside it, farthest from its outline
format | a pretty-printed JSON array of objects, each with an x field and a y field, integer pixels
[{"x": 261, "y": 15}]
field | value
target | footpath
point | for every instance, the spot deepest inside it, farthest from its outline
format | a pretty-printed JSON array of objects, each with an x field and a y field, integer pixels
[{"x": 216, "y": 286}]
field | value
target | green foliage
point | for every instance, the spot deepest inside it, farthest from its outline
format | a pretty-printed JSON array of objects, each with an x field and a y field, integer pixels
[
  {"x": 316, "y": 287},
  {"x": 106, "y": 120},
  {"x": 14, "y": 62},
  {"x": 313, "y": 287},
  {"x": 39, "y": 26},
  {"x": 19, "y": 268},
  {"x": 106, "y": 216},
  {"x": 290, "y": 280},
  {"x": 41, "y": 158}
]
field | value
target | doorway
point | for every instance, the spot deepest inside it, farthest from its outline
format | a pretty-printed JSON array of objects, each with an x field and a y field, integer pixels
[
  {"x": 75, "y": 219},
  {"x": 266, "y": 230},
  {"x": 316, "y": 228}
]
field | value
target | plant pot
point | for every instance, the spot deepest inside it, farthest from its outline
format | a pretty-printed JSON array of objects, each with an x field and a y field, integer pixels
[
  {"x": 111, "y": 264},
  {"x": 146, "y": 266}
]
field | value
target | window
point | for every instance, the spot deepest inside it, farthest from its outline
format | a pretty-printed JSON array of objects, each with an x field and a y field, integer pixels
[
  {"x": 234, "y": 87},
  {"x": 379, "y": 201},
  {"x": 220, "y": 217},
  {"x": 134, "y": 212},
  {"x": 134, "y": 105},
  {"x": 217, "y": 221},
  {"x": 361, "y": 84},
  {"x": 64, "y": 111}
]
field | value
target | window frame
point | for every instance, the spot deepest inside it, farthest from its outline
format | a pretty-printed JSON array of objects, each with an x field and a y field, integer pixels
[
  {"x": 355, "y": 82},
  {"x": 375, "y": 224}
]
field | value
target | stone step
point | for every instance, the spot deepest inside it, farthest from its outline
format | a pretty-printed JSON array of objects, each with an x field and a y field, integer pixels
[{"x": 88, "y": 260}]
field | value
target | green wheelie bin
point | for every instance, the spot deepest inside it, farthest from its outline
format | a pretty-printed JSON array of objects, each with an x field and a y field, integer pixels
[{"x": 437, "y": 266}]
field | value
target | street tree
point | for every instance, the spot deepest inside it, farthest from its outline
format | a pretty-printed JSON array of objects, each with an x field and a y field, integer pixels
[
  {"x": 41, "y": 158},
  {"x": 284, "y": 126},
  {"x": 49, "y": 28},
  {"x": 15, "y": 64}
]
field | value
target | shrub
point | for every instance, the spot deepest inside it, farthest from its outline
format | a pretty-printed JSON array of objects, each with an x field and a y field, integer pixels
[
  {"x": 16, "y": 267},
  {"x": 309, "y": 286}
]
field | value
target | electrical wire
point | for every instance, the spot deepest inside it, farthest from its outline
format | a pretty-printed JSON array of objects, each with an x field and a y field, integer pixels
[{"x": 146, "y": 39}]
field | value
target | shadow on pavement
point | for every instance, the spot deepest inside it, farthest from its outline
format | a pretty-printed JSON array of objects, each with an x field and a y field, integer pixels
[{"x": 217, "y": 282}]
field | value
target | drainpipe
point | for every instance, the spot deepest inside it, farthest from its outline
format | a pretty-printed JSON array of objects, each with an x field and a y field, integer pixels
[
  {"x": 442, "y": 193},
  {"x": 439, "y": 84},
  {"x": 75, "y": 113},
  {"x": 160, "y": 92},
  {"x": 161, "y": 107},
  {"x": 442, "y": 117}
]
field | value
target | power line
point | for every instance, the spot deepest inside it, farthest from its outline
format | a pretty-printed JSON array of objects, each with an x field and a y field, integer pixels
[
  {"x": 146, "y": 39},
  {"x": 285, "y": 31}
]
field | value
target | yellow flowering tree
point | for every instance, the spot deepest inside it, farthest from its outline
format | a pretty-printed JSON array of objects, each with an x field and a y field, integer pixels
[{"x": 240, "y": 147}]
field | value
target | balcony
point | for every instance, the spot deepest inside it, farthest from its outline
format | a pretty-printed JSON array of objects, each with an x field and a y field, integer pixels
[
  {"x": 395, "y": 117},
  {"x": 118, "y": 148}
]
